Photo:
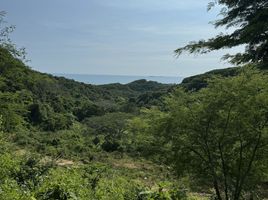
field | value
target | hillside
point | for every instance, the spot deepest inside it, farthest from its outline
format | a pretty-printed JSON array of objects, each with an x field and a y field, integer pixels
[
  {"x": 48, "y": 99},
  {"x": 58, "y": 129},
  {"x": 197, "y": 82},
  {"x": 205, "y": 138},
  {"x": 115, "y": 139}
]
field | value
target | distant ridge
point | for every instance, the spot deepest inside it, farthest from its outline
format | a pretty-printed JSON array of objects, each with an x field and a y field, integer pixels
[{"x": 97, "y": 79}]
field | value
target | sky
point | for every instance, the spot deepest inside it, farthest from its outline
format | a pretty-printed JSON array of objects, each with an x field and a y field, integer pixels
[{"x": 116, "y": 37}]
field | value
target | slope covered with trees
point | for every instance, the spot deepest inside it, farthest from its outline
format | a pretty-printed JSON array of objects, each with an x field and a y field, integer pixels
[
  {"x": 58, "y": 134},
  {"x": 54, "y": 103},
  {"x": 206, "y": 138},
  {"x": 218, "y": 135}
]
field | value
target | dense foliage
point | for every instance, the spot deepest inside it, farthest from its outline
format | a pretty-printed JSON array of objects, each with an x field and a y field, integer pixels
[
  {"x": 25, "y": 175},
  {"x": 218, "y": 135},
  {"x": 90, "y": 129},
  {"x": 52, "y": 103},
  {"x": 197, "y": 82},
  {"x": 204, "y": 139}
]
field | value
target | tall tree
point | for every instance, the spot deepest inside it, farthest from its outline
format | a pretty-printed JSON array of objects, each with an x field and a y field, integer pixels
[
  {"x": 250, "y": 20},
  {"x": 219, "y": 134}
]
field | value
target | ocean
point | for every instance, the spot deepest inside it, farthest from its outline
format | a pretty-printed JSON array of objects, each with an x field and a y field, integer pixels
[{"x": 107, "y": 79}]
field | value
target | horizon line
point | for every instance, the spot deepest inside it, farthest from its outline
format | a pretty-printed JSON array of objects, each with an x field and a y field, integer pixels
[{"x": 117, "y": 75}]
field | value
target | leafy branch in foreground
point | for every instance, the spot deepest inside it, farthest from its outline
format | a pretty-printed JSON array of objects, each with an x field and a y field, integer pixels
[{"x": 250, "y": 20}]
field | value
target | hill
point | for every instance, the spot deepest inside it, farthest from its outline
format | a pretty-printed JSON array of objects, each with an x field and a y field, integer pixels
[
  {"x": 59, "y": 131},
  {"x": 54, "y": 103},
  {"x": 198, "y": 82}
]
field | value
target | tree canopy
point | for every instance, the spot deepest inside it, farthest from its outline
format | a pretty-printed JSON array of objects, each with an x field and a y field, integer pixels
[
  {"x": 219, "y": 134},
  {"x": 250, "y": 20}
]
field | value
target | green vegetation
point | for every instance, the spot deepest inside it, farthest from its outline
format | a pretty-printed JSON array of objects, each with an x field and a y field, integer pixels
[
  {"x": 212, "y": 135},
  {"x": 249, "y": 18},
  {"x": 206, "y": 138},
  {"x": 218, "y": 135},
  {"x": 26, "y": 175},
  {"x": 198, "y": 82}
]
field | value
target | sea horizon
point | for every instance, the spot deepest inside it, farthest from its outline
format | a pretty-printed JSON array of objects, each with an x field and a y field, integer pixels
[{"x": 102, "y": 79}]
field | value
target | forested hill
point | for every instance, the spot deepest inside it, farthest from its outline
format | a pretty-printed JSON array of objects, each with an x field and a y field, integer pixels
[
  {"x": 31, "y": 97},
  {"x": 54, "y": 103},
  {"x": 81, "y": 134},
  {"x": 198, "y": 82}
]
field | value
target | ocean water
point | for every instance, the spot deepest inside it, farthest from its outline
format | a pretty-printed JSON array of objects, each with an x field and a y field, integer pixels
[{"x": 107, "y": 79}]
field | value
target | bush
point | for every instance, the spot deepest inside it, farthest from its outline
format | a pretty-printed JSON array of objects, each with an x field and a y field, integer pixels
[
  {"x": 117, "y": 188},
  {"x": 10, "y": 190},
  {"x": 63, "y": 184}
]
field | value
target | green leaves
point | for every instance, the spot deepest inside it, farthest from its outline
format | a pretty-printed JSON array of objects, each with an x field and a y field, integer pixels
[
  {"x": 249, "y": 18},
  {"x": 63, "y": 184},
  {"x": 219, "y": 134},
  {"x": 6, "y": 42}
]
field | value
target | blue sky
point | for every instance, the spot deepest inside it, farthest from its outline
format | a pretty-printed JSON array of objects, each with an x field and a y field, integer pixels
[{"x": 120, "y": 37}]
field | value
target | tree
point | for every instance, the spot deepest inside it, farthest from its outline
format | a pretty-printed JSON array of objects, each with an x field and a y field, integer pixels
[
  {"x": 88, "y": 109},
  {"x": 12, "y": 109},
  {"x": 112, "y": 126},
  {"x": 219, "y": 135},
  {"x": 250, "y": 18},
  {"x": 6, "y": 42}
]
